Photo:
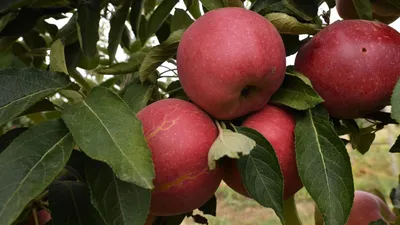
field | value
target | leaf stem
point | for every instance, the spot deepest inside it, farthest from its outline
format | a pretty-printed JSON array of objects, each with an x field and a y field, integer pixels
[
  {"x": 80, "y": 79},
  {"x": 35, "y": 217},
  {"x": 174, "y": 90},
  {"x": 290, "y": 212}
]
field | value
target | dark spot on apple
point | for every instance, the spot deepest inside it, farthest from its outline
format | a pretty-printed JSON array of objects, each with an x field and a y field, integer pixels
[
  {"x": 247, "y": 90},
  {"x": 364, "y": 50}
]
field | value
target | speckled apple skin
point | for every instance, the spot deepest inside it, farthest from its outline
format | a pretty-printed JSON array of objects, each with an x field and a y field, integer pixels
[
  {"x": 353, "y": 65},
  {"x": 367, "y": 208},
  {"x": 277, "y": 126},
  {"x": 179, "y": 135},
  {"x": 223, "y": 52}
]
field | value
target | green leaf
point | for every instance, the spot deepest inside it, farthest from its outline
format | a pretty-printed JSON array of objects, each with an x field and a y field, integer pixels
[
  {"x": 210, "y": 207},
  {"x": 125, "y": 67},
  {"x": 233, "y": 3},
  {"x": 180, "y": 20},
  {"x": 159, "y": 16},
  {"x": 57, "y": 57},
  {"x": 231, "y": 144},
  {"x": 136, "y": 15},
  {"x": 117, "y": 24},
  {"x": 106, "y": 129},
  {"x": 396, "y": 146},
  {"x": 5, "y": 19},
  {"x": 6, "y": 59},
  {"x": 194, "y": 8},
  {"x": 307, "y": 10},
  {"x": 164, "y": 31},
  {"x": 292, "y": 43},
  {"x": 69, "y": 202},
  {"x": 160, "y": 54},
  {"x": 212, "y": 4},
  {"x": 88, "y": 31},
  {"x": 290, "y": 25},
  {"x": 395, "y": 102},
  {"x": 261, "y": 173},
  {"x": 130, "y": 203},
  {"x": 40, "y": 106},
  {"x": 29, "y": 164},
  {"x": 22, "y": 88},
  {"x": 7, "y": 138},
  {"x": 149, "y": 6},
  {"x": 137, "y": 96},
  {"x": 360, "y": 139},
  {"x": 331, "y": 3},
  {"x": 296, "y": 94},
  {"x": 364, "y": 9},
  {"x": 324, "y": 165}
]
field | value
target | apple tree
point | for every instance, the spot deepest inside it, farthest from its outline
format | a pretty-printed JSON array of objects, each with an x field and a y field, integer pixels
[{"x": 132, "y": 112}]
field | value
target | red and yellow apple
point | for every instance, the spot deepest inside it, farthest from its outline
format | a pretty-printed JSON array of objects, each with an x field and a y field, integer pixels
[
  {"x": 277, "y": 126},
  {"x": 367, "y": 208},
  {"x": 382, "y": 10},
  {"x": 353, "y": 65},
  {"x": 179, "y": 135},
  {"x": 230, "y": 61}
]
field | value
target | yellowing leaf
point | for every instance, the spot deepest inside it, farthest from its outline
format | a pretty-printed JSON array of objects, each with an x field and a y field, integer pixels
[{"x": 229, "y": 144}]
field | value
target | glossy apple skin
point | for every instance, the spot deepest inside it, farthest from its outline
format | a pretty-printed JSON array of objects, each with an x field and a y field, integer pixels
[
  {"x": 277, "y": 126},
  {"x": 367, "y": 208},
  {"x": 226, "y": 52},
  {"x": 179, "y": 135},
  {"x": 353, "y": 65},
  {"x": 382, "y": 10}
]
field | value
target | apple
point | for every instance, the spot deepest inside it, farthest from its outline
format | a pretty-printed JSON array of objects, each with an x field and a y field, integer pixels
[
  {"x": 277, "y": 126},
  {"x": 230, "y": 61},
  {"x": 367, "y": 208},
  {"x": 353, "y": 65},
  {"x": 43, "y": 217},
  {"x": 150, "y": 219},
  {"x": 382, "y": 10},
  {"x": 179, "y": 135}
]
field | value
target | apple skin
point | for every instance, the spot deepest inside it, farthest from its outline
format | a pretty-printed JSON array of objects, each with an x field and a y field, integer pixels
[
  {"x": 230, "y": 61},
  {"x": 367, "y": 208},
  {"x": 382, "y": 10},
  {"x": 277, "y": 126},
  {"x": 179, "y": 135},
  {"x": 353, "y": 65},
  {"x": 43, "y": 216}
]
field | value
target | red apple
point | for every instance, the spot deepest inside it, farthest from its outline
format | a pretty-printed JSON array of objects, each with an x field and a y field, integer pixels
[
  {"x": 277, "y": 126},
  {"x": 179, "y": 135},
  {"x": 43, "y": 216},
  {"x": 382, "y": 10},
  {"x": 150, "y": 219},
  {"x": 353, "y": 65},
  {"x": 367, "y": 208},
  {"x": 230, "y": 61}
]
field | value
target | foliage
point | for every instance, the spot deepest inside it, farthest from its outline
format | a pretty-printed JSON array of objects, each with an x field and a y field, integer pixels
[{"x": 70, "y": 139}]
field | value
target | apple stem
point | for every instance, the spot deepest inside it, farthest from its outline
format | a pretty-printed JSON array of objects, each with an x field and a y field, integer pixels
[
  {"x": 35, "y": 217},
  {"x": 290, "y": 212}
]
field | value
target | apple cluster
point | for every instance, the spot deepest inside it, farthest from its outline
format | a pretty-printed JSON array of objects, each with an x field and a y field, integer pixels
[{"x": 230, "y": 62}]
